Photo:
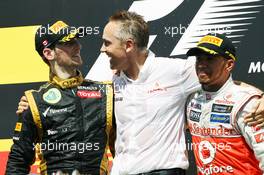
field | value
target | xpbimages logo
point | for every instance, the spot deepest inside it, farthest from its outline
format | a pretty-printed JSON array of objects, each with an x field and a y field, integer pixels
[
  {"x": 61, "y": 28},
  {"x": 73, "y": 146},
  {"x": 173, "y": 31}
]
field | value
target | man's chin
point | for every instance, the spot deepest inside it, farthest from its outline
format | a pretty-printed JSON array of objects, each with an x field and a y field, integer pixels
[
  {"x": 77, "y": 62},
  {"x": 112, "y": 67},
  {"x": 203, "y": 78},
  {"x": 76, "y": 65},
  {"x": 203, "y": 81}
]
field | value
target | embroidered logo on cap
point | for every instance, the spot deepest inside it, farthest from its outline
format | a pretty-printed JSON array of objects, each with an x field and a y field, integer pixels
[
  {"x": 55, "y": 28},
  {"x": 211, "y": 40},
  {"x": 45, "y": 42}
]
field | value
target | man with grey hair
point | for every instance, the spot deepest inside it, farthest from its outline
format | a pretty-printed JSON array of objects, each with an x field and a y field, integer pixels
[{"x": 149, "y": 100}]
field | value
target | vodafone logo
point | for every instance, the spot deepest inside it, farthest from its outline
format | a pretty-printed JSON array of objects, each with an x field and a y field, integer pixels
[
  {"x": 89, "y": 94},
  {"x": 207, "y": 155},
  {"x": 206, "y": 152},
  {"x": 214, "y": 169}
]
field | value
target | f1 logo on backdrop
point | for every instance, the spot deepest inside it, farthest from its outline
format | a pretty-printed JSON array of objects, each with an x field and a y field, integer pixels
[{"x": 176, "y": 25}]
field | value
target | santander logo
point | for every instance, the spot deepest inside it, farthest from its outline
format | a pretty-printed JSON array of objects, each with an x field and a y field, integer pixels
[{"x": 89, "y": 94}]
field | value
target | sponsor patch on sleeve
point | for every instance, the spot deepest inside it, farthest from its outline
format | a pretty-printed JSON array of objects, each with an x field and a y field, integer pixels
[
  {"x": 255, "y": 128},
  {"x": 259, "y": 137},
  {"x": 18, "y": 126}
]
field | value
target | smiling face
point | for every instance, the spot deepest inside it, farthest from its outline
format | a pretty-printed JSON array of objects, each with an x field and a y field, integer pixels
[
  {"x": 213, "y": 70},
  {"x": 68, "y": 54},
  {"x": 114, "y": 47}
]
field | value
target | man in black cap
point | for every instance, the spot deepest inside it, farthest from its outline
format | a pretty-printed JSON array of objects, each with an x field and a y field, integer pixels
[
  {"x": 70, "y": 119},
  {"x": 222, "y": 142}
]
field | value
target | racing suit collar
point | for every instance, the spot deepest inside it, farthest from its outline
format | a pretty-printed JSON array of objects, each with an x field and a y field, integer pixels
[
  {"x": 68, "y": 83},
  {"x": 211, "y": 95}
]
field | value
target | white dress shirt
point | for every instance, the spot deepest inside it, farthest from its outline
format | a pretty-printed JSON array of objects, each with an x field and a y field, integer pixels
[{"x": 150, "y": 116}]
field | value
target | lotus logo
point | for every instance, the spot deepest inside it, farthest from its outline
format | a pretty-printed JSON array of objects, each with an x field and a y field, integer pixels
[{"x": 52, "y": 96}]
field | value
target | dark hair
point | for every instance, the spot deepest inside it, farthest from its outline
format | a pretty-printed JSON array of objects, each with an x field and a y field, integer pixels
[{"x": 132, "y": 26}]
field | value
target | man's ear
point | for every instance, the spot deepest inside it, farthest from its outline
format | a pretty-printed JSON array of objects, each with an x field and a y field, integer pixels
[
  {"x": 48, "y": 54},
  {"x": 230, "y": 65},
  {"x": 130, "y": 45}
]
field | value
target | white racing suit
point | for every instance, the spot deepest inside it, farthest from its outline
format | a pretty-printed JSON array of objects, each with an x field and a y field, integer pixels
[{"x": 222, "y": 143}]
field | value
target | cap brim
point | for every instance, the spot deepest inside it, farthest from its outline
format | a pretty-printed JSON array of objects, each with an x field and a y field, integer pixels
[
  {"x": 200, "y": 50},
  {"x": 195, "y": 51}
]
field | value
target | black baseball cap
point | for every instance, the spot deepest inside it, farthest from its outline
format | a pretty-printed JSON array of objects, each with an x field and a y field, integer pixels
[
  {"x": 50, "y": 34},
  {"x": 214, "y": 44}
]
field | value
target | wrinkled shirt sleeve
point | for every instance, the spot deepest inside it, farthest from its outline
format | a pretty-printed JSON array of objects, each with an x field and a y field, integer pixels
[
  {"x": 190, "y": 80},
  {"x": 22, "y": 153}
]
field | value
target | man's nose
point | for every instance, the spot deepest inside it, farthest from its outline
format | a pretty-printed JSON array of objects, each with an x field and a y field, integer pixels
[
  {"x": 201, "y": 65},
  {"x": 77, "y": 45},
  {"x": 103, "y": 48}
]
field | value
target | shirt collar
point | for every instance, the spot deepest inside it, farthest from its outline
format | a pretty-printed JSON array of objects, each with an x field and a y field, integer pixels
[{"x": 144, "y": 72}]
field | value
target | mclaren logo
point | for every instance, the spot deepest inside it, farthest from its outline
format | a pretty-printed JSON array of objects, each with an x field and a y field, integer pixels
[{"x": 256, "y": 67}]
